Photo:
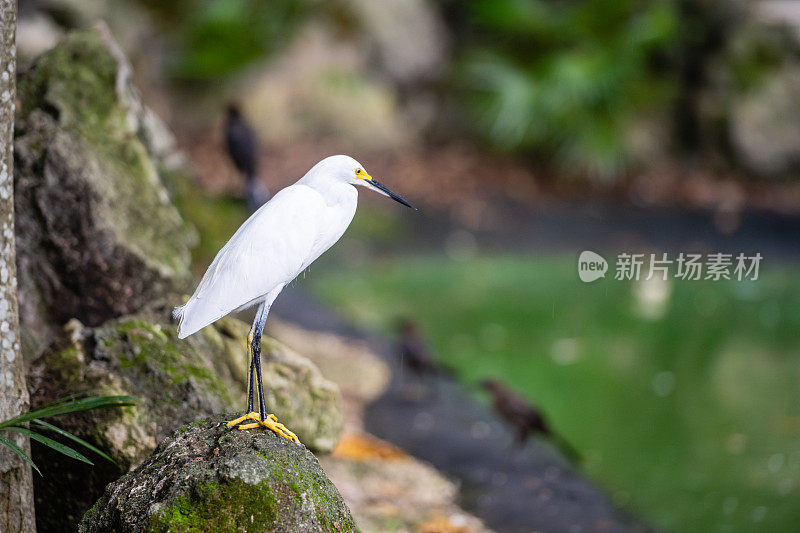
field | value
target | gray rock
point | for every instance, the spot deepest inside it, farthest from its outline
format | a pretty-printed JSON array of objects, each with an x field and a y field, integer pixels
[
  {"x": 176, "y": 381},
  {"x": 765, "y": 124},
  {"x": 36, "y": 33},
  {"x": 206, "y": 477},
  {"x": 406, "y": 60},
  {"x": 98, "y": 236},
  {"x": 334, "y": 94}
]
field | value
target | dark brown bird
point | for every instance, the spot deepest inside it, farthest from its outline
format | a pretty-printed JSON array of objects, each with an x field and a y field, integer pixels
[
  {"x": 415, "y": 352},
  {"x": 242, "y": 147},
  {"x": 526, "y": 418}
]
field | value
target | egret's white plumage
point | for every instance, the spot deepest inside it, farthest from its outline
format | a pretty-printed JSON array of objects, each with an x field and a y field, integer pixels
[{"x": 278, "y": 242}]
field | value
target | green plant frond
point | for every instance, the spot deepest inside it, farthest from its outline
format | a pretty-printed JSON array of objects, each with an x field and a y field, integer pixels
[
  {"x": 516, "y": 16},
  {"x": 218, "y": 37},
  {"x": 72, "y": 437},
  {"x": 562, "y": 79},
  {"x": 16, "y": 449},
  {"x": 50, "y": 443},
  {"x": 71, "y": 406}
]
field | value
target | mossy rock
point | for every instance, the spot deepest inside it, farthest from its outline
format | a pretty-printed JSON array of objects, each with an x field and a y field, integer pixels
[
  {"x": 97, "y": 234},
  {"x": 176, "y": 381},
  {"x": 207, "y": 477}
]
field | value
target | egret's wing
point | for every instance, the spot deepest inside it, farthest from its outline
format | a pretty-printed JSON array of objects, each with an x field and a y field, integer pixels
[{"x": 268, "y": 250}]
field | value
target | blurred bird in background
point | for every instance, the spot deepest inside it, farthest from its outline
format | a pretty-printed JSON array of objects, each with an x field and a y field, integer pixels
[
  {"x": 526, "y": 418},
  {"x": 415, "y": 352},
  {"x": 242, "y": 147}
]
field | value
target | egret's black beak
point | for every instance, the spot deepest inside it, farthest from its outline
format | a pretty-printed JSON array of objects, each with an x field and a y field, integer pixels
[{"x": 388, "y": 192}]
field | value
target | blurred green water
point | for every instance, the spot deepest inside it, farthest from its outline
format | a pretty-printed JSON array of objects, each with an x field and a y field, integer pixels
[{"x": 684, "y": 397}]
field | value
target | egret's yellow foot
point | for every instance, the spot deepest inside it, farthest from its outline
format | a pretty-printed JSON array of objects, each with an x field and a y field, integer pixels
[
  {"x": 249, "y": 416},
  {"x": 271, "y": 422}
]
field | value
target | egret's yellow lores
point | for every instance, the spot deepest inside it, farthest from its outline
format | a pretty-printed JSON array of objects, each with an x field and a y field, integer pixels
[{"x": 272, "y": 247}]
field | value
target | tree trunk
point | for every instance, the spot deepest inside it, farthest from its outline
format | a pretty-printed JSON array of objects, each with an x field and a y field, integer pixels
[{"x": 16, "y": 480}]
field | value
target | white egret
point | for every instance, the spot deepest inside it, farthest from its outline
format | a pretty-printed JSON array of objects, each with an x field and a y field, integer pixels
[{"x": 278, "y": 242}]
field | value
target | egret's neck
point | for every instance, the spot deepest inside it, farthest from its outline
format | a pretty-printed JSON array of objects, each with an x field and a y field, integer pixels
[{"x": 334, "y": 192}]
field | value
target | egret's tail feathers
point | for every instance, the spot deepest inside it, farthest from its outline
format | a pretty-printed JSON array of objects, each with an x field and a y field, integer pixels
[
  {"x": 192, "y": 317},
  {"x": 178, "y": 314},
  {"x": 196, "y": 314}
]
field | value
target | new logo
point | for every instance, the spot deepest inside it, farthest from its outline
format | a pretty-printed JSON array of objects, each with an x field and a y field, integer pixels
[{"x": 591, "y": 266}]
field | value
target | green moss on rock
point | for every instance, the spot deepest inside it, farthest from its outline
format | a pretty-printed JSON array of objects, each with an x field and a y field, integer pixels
[
  {"x": 153, "y": 351},
  {"x": 76, "y": 80},
  {"x": 207, "y": 477},
  {"x": 87, "y": 178}
]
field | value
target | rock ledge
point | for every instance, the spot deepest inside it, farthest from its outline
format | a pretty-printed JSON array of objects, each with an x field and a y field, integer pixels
[{"x": 208, "y": 477}]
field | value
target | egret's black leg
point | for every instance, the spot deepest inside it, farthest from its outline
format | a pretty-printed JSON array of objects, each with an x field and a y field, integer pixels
[
  {"x": 249, "y": 414},
  {"x": 262, "y": 419},
  {"x": 250, "y": 374},
  {"x": 262, "y": 407}
]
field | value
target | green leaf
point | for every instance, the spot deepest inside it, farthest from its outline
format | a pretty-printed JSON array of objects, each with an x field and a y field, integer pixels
[
  {"x": 16, "y": 449},
  {"x": 57, "y": 446},
  {"x": 71, "y": 406},
  {"x": 69, "y": 435}
]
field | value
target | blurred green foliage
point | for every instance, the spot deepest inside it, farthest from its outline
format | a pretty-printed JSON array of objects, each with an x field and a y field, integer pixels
[
  {"x": 567, "y": 79},
  {"x": 215, "y": 38},
  {"x": 594, "y": 86}
]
